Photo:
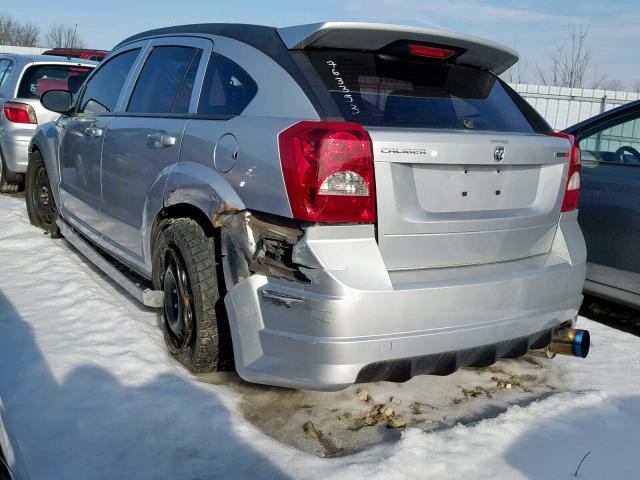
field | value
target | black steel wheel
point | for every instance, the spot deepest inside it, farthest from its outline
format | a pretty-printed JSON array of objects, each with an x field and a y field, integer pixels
[
  {"x": 178, "y": 304},
  {"x": 184, "y": 269},
  {"x": 41, "y": 205}
]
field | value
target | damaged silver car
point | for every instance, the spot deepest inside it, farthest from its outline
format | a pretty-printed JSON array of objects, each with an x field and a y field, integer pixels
[{"x": 322, "y": 204}]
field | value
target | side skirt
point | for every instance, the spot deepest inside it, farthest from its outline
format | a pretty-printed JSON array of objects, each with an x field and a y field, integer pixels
[{"x": 146, "y": 296}]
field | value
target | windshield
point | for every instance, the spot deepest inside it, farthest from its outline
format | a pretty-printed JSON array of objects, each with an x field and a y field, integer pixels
[
  {"x": 37, "y": 79},
  {"x": 382, "y": 90}
]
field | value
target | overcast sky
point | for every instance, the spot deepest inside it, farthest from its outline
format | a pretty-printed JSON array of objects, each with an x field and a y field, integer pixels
[{"x": 532, "y": 27}]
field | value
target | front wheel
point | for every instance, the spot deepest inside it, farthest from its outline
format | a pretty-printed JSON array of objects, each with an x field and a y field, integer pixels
[
  {"x": 41, "y": 205},
  {"x": 184, "y": 269}
]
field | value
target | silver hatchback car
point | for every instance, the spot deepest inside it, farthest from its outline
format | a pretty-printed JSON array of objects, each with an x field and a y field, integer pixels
[
  {"x": 324, "y": 204},
  {"x": 23, "y": 79}
]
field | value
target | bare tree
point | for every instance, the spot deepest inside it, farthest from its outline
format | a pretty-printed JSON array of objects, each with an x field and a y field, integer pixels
[
  {"x": 518, "y": 72},
  {"x": 63, "y": 36},
  {"x": 570, "y": 61},
  {"x": 611, "y": 84},
  {"x": 27, "y": 35},
  {"x": 7, "y": 29},
  {"x": 636, "y": 86},
  {"x": 16, "y": 33}
]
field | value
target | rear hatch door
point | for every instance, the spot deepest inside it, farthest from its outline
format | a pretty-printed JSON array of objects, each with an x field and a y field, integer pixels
[
  {"x": 466, "y": 172},
  {"x": 443, "y": 199}
]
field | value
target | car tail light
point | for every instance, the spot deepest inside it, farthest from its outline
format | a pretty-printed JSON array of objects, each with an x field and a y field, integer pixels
[
  {"x": 431, "y": 52},
  {"x": 572, "y": 189},
  {"x": 18, "y": 112},
  {"x": 328, "y": 172}
]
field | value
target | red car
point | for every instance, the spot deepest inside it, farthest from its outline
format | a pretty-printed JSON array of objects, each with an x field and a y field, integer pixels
[{"x": 83, "y": 53}]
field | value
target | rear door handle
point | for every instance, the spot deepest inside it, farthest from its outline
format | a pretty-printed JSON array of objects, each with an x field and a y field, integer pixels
[
  {"x": 93, "y": 132},
  {"x": 160, "y": 140}
]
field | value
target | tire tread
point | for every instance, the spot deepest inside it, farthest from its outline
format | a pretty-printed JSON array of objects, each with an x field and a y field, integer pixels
[{"x": 198, "y": 254}]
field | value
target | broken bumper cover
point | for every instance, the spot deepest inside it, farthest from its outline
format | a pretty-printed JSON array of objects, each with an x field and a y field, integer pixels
[{"x": 357, "y": 322}]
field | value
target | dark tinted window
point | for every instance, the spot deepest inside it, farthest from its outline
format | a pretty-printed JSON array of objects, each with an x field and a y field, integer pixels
[
  {"x": 39, "y": 78},
  {"x": 6, "y": 66},
  {"x": 385, "y": 90},
  {"x": 166, "y": 81},
  {"x": 183, "y": 97},
  {"x": 227, "y": 88},
  {"x": 103, "y": 89}
]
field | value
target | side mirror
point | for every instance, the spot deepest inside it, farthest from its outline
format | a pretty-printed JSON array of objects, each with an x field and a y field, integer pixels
[{"x": 57, "y": 101}]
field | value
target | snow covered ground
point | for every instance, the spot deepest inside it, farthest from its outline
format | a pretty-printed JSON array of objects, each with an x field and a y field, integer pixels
[{"x": 90, "y": 393}]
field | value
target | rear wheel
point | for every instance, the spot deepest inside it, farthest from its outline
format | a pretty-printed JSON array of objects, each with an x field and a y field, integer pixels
[
  {"x": 7, "y": 185},
  {"x": 184, "y": 268},
  {"x": 41, "y": 205}
]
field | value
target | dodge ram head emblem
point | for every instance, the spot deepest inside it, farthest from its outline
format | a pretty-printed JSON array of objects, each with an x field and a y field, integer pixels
[{"x": 498, "y": 154}]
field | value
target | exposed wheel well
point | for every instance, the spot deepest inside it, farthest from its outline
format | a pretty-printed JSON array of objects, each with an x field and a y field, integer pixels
[
  {"x": 186, "y": 210},
  {"x": 181, "y": 210}
]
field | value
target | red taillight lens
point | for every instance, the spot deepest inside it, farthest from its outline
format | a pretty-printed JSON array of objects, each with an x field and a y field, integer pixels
[
  {"x": 431, "y": 52},
  {"x": 572, "y": 189},
  {"x": 328, "y": 172},
  {"x": 18, "y": 112}
]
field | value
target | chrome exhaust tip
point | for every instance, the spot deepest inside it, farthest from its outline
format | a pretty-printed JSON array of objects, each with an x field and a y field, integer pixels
[
  {"x": 570, "y": 341},
  {"x": 566, "y": 341}
]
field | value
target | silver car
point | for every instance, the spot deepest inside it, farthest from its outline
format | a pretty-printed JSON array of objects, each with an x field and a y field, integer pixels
[
  {"x": 323, "y": 204},
  {"x": 23, "y": 79}
]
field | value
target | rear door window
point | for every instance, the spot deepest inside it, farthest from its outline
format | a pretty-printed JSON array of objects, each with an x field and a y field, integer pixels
[
  {"x": 103, "y": 89},
  {"x": 227, "y": 88},
  {"x": 38, "y": 79},
  {"x": 384, "y": 90},
  {"x": 166, "y": 82}
]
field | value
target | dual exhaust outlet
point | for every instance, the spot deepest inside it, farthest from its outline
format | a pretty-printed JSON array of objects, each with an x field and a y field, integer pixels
[{"x": 567, "y": 341}]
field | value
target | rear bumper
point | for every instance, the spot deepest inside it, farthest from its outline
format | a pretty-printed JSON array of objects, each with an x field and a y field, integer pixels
[
  {"x": 15, "y": 151},
  {"x": 329, "y": 333}
]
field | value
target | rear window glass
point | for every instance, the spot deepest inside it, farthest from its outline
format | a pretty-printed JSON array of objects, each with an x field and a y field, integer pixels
[
  {"x": 37, "y": 79},
  {"x": 383, "y": 90},
  {"x": 227, "y": 88}
]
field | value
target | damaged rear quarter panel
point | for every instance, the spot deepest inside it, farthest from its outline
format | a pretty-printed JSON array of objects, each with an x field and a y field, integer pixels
[{"x": 253, "y": 243}]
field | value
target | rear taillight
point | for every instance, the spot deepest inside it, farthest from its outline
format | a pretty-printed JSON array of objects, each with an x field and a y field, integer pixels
[
  {"x": 328, "y": 172},
  {"x": 572, "y": 189},
  {"x": 18, "y": 112}
]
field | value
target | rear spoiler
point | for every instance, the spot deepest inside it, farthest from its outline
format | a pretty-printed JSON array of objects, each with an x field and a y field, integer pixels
[{"x": 374, "y": 36}]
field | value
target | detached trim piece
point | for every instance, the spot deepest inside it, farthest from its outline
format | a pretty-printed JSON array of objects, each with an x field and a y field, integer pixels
[{"x": 146, "y": 296}]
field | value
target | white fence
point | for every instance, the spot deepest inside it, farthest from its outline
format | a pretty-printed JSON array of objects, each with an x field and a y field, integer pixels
[
  {"x": 22, "y": 50},
  {"x": 563, "y": 107}
]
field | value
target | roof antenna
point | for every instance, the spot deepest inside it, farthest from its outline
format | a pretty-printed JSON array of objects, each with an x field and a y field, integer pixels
[{"x": 73, "y": 42}]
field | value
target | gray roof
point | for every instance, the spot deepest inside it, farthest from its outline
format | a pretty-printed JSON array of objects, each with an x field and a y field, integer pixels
[{"x": 357, "y": 35}]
